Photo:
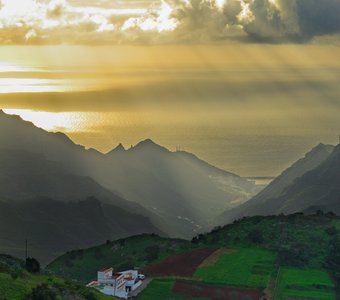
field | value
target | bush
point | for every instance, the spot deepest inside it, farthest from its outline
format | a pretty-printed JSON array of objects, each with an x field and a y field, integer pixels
[
  {"x": 152, "y": 253},
  {"x": 42, "y": 292}
]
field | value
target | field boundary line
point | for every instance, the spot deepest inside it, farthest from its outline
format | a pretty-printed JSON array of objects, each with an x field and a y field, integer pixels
[{"x": 276, "y": 287}]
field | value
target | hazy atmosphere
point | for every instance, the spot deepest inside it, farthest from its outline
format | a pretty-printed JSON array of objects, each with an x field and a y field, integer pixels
[
  {"x": 169, "y": 149},
  {"x": 249, "y": 86}
]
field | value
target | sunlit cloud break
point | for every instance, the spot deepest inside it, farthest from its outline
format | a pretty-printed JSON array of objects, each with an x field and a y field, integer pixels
[{"x": 167, "y": 21}]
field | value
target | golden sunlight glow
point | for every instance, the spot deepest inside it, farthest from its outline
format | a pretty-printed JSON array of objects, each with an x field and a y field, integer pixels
[
  {"x": 220, "y": 3},
  {"x": 18, "y": 7},
  {"x": 66, "y": 121},
  {"x": 8, "y": 68},
  {"x": 25, "y": 85},
  {"x": 164, "y": 21}
]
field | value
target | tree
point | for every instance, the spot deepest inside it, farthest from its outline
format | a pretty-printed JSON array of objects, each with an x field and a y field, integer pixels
[
  {"x": 296, "y": 254},
  {"x": 256, "y": 236},
  {"x": 32, "y": 265}
]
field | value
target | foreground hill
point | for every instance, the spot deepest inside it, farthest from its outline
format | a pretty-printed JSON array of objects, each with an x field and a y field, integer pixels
[
  {"x": 279, "y": 257},
  {"x": 311, "y": 181},
  {"x": 53, "y": 227},
  {"x": 181, "y": 194},
  {"x": 17, "y": 284}
]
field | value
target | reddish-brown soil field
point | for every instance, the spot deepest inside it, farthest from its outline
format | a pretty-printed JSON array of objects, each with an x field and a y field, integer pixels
[
  {"x": 213, "y": 258},
  {"x": 180, "y": 265},
  {"x": 193, "y": 290}
]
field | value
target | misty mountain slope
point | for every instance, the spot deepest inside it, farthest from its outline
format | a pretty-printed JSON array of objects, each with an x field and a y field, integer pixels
[
  {"x": 272, "y": 199},
  {"x": 16, "y": 133},
  {"x": 26, "y": 175},
  {"x": 185, "y": 193},
  {"x": 53, "y": 227},
  {"x": 311, "y": 160},
  {"x": 229, "y": 182},
  {"x": 319, "y": 187},
  {"x": 175, "y": 184}
]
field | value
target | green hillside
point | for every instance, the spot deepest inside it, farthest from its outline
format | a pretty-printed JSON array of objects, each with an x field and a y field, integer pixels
[
  {"x": 268, "y": 256},
  {"x": 137, "y": 251},
  {"x": 18, "y": 284}
]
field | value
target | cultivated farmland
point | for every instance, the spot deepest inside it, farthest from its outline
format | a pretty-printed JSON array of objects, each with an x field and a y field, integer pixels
[
  {"x": 247, "y": 268},
  {"x": 158, "y": 289},
  {"x": 180, "y": 265},
  {"x": 304, "y": 284}
]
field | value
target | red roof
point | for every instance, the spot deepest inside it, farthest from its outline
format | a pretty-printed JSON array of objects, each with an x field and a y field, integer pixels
[{"x": 106, "y": 270}]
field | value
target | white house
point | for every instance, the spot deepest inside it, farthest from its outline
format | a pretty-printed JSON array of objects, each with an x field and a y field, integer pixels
[{"x": 116, "y": 284}]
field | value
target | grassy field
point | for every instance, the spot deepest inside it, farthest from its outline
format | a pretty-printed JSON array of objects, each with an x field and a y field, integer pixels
[
  {"x": 158, "y": 289},
  {"x": 246, "y": 268},
  {"x": 304, "y": 284}
]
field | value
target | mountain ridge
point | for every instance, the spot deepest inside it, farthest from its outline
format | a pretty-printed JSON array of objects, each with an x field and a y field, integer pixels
[
  {"x": 274, "y": 198},
  {"x": 183, "y": 195}
]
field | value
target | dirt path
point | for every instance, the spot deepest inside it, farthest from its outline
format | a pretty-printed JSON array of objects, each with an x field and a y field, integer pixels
[{"x": 214, "y": 257}]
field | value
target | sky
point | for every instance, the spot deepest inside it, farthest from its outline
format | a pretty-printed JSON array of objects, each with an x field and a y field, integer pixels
[{"x": 248, "y": 85}]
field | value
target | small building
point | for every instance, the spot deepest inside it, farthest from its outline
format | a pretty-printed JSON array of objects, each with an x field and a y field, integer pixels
[{"x": 118, "y": 284}]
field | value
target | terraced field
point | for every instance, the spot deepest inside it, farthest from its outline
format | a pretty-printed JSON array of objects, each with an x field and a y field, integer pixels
[
  {"x": 247, "y": 268},
  {"x": 304, "y": 284},
  {"x": 171, "y": 289}
]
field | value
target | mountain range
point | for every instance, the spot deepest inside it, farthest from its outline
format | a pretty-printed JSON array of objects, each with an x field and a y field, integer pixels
[
  {"x": 61, "y": 196},
  {"x": 145, "y": 189}
]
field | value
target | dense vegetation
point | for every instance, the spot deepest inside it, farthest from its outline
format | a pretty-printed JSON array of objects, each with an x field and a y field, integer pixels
[{"x": 16, "y": 283}]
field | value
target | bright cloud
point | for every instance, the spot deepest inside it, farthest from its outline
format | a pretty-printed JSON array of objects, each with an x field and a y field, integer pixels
[{"x": 166, "y": 21}]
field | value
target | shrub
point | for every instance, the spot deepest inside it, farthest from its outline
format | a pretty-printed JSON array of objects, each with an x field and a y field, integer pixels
[
  {"x": 333, "y": 258},
  {"x": 42, "y": 292},
  {"x": 331, "y": 231}
]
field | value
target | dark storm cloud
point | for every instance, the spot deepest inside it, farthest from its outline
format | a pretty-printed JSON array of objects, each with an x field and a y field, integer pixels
[{"x": 318, "y": 17}]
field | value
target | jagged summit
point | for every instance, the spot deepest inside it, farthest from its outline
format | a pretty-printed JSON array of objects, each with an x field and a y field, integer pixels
[
  {"x": 119, "y": 149},
  {"x": 148, "y": 144},
  {"x": 322, "y": 146}
]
